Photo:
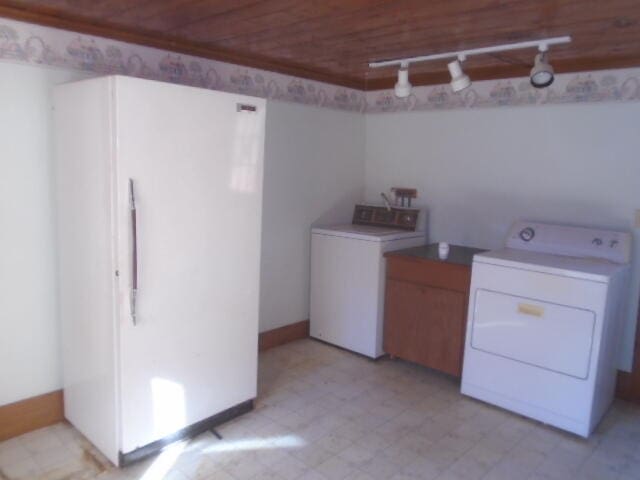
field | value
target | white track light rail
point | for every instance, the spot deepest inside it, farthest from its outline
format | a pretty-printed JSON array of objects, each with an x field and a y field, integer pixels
[
  {"x": 541, "y": 74},
  {"x": 541, "y": 44}
]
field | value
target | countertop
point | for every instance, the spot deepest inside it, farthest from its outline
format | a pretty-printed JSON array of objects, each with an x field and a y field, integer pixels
[{"x": 458, "y": 255}]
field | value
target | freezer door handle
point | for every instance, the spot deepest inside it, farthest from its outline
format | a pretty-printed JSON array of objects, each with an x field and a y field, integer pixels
[{"x": 134, "y": 252}]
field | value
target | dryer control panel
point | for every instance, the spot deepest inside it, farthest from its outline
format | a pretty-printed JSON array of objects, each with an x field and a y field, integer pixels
[{"x": 572, "y": 241}]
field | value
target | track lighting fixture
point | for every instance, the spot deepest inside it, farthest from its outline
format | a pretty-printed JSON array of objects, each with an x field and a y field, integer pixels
[
  {"x": 459, "y": 80},
  {"x": 541, "y": 74},
  {"x": 403, "y": 86}
]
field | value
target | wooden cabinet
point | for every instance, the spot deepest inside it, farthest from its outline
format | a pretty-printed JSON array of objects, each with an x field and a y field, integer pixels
[{"x": 426, "y": 307}]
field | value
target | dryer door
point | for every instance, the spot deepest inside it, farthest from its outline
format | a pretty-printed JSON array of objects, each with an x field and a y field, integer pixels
[{"x": 536, "y": 332}]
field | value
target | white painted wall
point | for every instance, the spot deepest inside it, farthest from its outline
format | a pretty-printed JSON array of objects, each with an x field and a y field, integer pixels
[
  {"x": 314, "y": 174},
  {"x": 479, "y": 170},
  {"x": 29, "y": 337}
]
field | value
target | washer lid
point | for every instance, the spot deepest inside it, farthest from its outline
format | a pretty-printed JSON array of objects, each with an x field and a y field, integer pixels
[
  {"x": 366, "y": 232},
  {"x": 596, "y": 269}
]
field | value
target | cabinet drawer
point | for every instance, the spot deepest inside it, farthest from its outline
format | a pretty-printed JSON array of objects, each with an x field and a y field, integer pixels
[{"x": 436, "y": 274}]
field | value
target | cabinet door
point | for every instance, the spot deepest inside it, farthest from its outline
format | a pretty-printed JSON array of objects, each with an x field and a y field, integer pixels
[{"x": 425, "y": 325}]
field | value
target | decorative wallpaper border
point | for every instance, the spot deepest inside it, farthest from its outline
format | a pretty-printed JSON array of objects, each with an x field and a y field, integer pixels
[
  {"x": 38, "y": 45},
  {"x": 622, "y": 85}
]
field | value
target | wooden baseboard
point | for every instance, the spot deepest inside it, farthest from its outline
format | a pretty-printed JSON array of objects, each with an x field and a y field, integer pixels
[
  {"x": 282, "y": 335},
  {"x": 628, "y": 387},
  {"x": 30, "y": 414}
]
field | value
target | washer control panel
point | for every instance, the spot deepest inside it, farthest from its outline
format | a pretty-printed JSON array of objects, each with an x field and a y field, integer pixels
[
  {"x": 572, "y": 241},
  {"x": 394, "y": 217}
]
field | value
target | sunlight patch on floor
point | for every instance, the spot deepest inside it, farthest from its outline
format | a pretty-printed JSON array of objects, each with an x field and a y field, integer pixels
[
  {"x": 256, "y": 443},
  {"x": 165, "y": 461}
]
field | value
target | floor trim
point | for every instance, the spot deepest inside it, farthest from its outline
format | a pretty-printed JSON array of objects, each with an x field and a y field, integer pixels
[
  {"x": 30, "y": 414},
  {"x": 628, "y": 387},
  {"x": 282, "y": 335}
]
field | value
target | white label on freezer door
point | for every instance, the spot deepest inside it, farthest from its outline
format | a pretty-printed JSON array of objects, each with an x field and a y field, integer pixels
[{"x": 542, "y": 334}]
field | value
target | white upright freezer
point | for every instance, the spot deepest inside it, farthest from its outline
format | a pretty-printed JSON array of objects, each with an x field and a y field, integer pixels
[{"x": 159, "y": 196}]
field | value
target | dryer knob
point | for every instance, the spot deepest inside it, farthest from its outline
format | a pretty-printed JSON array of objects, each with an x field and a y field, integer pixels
[{"x": 527, "y": 234}]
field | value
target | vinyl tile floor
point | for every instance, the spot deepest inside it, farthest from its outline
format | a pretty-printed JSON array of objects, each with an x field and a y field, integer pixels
[{"x": 323, "y": 413}]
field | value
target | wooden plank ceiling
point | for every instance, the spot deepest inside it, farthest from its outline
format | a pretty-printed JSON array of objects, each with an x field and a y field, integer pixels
[{"x": 334, "y": 40}]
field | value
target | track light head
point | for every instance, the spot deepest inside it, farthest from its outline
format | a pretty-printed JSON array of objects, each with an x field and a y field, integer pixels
[
  {"x": 542, "y": 72},
  {"x": 403, "y": 86},
  {"x": 459, "y": 80}
]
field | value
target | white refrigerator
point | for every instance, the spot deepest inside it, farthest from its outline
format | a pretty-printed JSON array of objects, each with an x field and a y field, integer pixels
[{"x": 159, "y": 198}]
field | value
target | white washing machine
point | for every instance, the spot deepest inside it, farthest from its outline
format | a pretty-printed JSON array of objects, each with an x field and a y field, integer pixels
[
  {"x": 347, "y": 282},
  {"x": 545, "y": 321}
]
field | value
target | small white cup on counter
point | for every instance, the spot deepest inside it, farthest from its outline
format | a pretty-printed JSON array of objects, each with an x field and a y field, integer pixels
[{"x": 443, "y": 250}]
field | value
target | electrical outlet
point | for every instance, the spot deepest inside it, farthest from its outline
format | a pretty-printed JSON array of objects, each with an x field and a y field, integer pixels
[{"x": 638, "y": 218}]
